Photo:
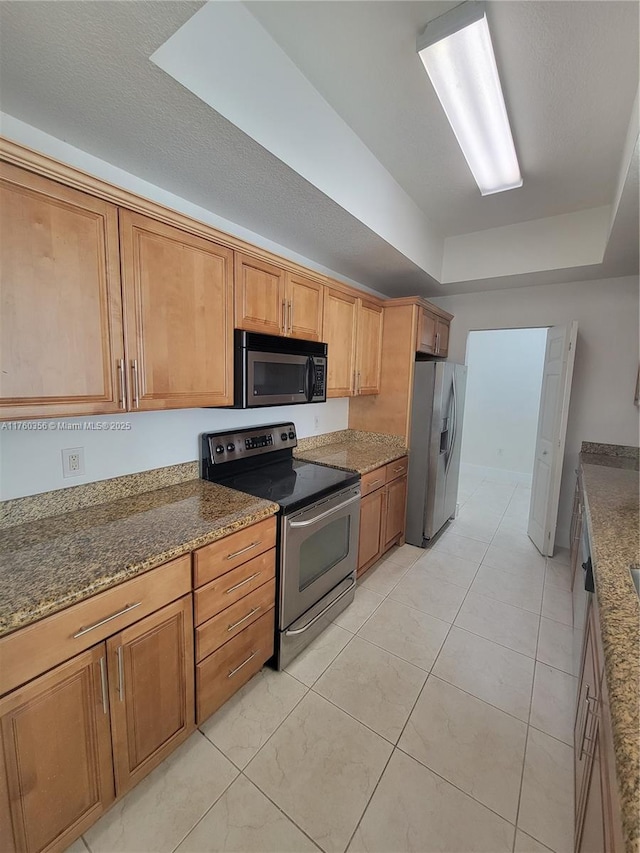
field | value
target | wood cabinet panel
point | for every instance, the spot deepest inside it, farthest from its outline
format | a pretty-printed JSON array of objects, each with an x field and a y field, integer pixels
[
  {"x": 151, "y": 690},
  {"x": 369, "y": 347},
  {"x": 395, "y": 511},
  {"x": 304, "y": 308},
  {"x": 372, "y": 480},
  {"x": 372, "y": 509},
  {"x": 427, "y": 331},
  {"x": 396, "y": 469},
  {"x": 220, "y": 593},
  {"x": 178, "y": 291},
  {"x": 442, "y": 337},
  {"x": 61, "y": 335},
  {"x": 588, "y": 696},
  {"x": 259, "y": 296},
  {"x": 340, "y": 326},
  {"x": 57, "y": 748},
  {"x": 224, "y": 672},
  {"x": 36, "y": 648},
  {"x": 225, "y": 554},
  {"x": 236, "y": 618}
]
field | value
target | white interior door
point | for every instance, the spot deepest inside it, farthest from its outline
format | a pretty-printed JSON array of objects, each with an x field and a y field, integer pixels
[{"x": 552, "y": 429}]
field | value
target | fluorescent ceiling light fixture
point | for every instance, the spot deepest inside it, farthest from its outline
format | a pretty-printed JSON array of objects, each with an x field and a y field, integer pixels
[{"x": 458, "y": 56}]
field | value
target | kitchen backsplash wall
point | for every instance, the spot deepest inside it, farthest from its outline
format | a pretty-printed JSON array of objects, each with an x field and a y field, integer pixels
[{"x": 31, "y": 451}]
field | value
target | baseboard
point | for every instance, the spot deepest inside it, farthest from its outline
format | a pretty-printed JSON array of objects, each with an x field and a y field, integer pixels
[{"x": 496, "y": 475}]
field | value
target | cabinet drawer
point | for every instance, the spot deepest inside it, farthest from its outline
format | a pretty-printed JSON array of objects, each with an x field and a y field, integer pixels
[
  {"x": 372, "y": 481},
  {"x": 234, "y": 585},
  {"x": 38, "y": 647},
  {"x": 396, "y": 469},
  {"x": 220, "y": 557},
  {"x": 221, "y": 628},
  {"x": 225, "y": 671}
]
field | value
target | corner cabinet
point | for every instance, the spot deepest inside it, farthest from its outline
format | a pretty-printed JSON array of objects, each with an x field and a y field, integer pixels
[
  {"x": 178, "y": 295},
  {"x": 382, "y": 511},
  {"x": 60, "y": 305},
  {"x": 271, "y": 301}
]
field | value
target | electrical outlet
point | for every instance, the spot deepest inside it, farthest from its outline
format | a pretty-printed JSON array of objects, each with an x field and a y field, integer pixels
[{"x": 73, "y": 462}]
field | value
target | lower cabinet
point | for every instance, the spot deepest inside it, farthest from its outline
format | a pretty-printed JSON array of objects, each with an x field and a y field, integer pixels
[
  {"x": 382, "y": 511},
  {"x": 56, "y": 749},
  {"x": 87, "y": 731},
  {"x": 598, "y": 825},
  {"x": 234, "y": 613}
]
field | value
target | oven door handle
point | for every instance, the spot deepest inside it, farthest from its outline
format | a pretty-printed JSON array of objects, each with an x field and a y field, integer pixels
[
  {"x": 324, "y": 515},
  {"x": 292, "y": 633}
]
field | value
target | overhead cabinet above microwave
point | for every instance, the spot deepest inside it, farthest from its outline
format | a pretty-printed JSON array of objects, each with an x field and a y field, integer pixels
[{"x": 272, "y": 301}]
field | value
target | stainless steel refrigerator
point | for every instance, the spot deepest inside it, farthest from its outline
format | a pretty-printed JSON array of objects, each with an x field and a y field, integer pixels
[{"x": 434, "y": 455}]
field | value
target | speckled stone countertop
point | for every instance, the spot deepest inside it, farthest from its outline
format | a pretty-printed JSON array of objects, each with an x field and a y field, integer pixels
[
  {"x": 351, "y": 450},
  {"x": 610, "y": 486},
  {"x": 48, "y": 563}
]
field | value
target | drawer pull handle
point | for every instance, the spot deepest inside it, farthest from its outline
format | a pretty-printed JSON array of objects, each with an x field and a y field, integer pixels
[
  {"x": 103, "y": 685},
  {"x": 244, "y": 618},
  {"x": 398, "y": 470},
  {"x": 242, "y": 583},
  {"x": 244, "y": 663},
  {"x": 375, "y": 483},
  {"x": 125, "y": 609},
  {"x": 243, "y": 550}
]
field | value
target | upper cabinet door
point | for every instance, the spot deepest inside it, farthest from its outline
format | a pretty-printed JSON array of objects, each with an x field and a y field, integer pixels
[
  {"x": 442, "y": 337},
  {"x": 427, "y": 323},
  {"x": 340, "y": 326},
  {"x": 369, "y": 357},
  {"x": 304, "y": 308},
  {"x": 178, "y": 294},
  {"x": 60, "y": 305},
  {"x": 260, "y": 296}
]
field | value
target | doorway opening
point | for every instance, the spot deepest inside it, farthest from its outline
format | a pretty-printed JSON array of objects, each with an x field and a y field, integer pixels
[{"x": 504, "y": 381}]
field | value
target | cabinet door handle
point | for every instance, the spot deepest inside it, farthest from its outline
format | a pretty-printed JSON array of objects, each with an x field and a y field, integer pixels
[
  {"x": 244, "y": 550},
  {"x": 103, "y": 685},
  {"x": 120, "y": 675},
  {"x": 358, "y": 387},
  {"x": 136, "y": 389},
  {"x": 375, "y": 483},
  {"x": 437, "y": 346},
  {"x": 398, "y": 470},
  {"x": 284, "y": 317},
  {"x": 121, "y": 378},
  {"x": 244, "y": 618},
  {"x": 242, "y": 583},
  {"x": 355, "y": 387},
  {"x": 232, "y": 672},
  {"x": 125, "y": 609},
  {"x": 587, "y": 712},
  {"x": 290, "y": 317}
]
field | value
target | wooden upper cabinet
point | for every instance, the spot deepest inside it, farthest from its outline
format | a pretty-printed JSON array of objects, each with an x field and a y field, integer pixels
[
  {"x": 56, "y": 745},
  {"x": 340, "y": 325},
  {"x": 151, "y": 690},
  {"x": 433, "y": 333},
  {"x": 304, "y": 299},
  {"x": 260, "y": 304},
  {"x": 369, "y": 347},
  {"x": 60, "y": 306},
  {"x": 178, "y": 294}
]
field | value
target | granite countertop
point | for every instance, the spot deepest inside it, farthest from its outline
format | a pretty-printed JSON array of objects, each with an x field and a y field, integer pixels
[
  {"x": 48, "y": 563},
  {"x": 352, "y": 450},
  {"x": 610, "y": 486}
]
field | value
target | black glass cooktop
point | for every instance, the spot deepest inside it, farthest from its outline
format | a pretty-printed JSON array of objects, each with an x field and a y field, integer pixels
[{"x": 291, "y": 483}]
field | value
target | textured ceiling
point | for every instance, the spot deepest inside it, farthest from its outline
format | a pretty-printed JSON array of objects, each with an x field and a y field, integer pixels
[{"x": 80, "y": 71}]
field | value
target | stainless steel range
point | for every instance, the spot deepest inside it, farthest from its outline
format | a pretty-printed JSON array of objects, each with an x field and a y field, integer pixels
[{"x": 318, "y": 527}]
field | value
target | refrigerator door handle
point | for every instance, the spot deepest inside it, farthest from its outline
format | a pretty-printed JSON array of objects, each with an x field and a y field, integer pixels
[{"x": 454, "y": 428}]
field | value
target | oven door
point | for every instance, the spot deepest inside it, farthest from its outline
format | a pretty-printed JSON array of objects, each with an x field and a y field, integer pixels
[
  {"x": 277, "y": 378},
  {"x": 319, "y": 548}
]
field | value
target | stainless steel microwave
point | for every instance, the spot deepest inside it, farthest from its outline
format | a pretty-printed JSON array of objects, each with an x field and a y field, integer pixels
[{"x": 272, "y": 371}]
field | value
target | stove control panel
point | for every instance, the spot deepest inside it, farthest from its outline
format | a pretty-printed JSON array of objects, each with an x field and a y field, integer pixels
[{"x": 220, "y": 447}]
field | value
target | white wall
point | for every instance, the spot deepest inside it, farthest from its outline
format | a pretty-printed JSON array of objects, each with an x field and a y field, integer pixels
[
  {"x": 606, "y": 364},
  {"x": 31, "y": 459},
  {"x": 502, "y": 401}
]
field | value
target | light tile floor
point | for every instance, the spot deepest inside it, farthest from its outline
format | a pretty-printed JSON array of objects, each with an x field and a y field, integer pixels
[{"x": 435, "y": 715}]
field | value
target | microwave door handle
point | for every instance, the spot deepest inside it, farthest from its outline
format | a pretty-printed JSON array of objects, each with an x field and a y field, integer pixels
[{"x": 310, "y": 385}]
